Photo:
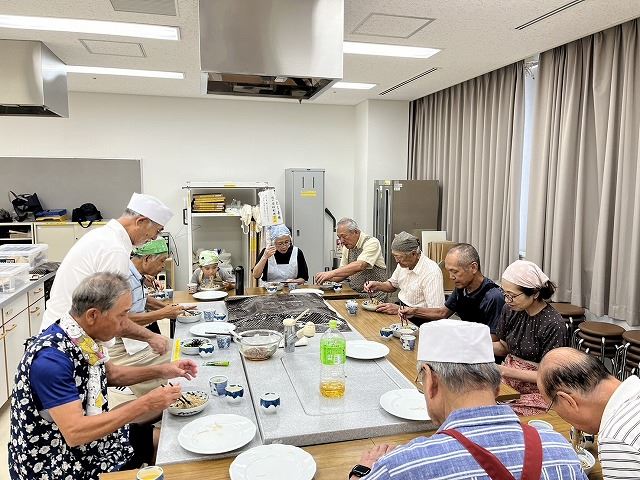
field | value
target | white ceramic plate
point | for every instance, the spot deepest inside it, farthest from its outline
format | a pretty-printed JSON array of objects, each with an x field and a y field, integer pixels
[
  {"x": 210, "y": 329},
  {"x": 216, "y": 434},
  {"x": 210, "y": 295},
  {"x": 273, "y": 462},
  {"x": 366, "y": 350},
  {"x": 406, "y": 403},
  {"x": 300, "y": 291}
]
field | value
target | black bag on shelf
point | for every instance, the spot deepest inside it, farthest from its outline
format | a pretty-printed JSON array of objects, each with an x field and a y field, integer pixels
[
  {"x": 87, "y": 212},
  {"x": 25, "y": 204}
]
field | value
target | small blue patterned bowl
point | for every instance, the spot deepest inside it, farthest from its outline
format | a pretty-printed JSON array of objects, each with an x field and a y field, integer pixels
[
  {"x": 234, "y": 393},
  {"x": 270, "y": 402},
  {"x": 206, "y": 350}
]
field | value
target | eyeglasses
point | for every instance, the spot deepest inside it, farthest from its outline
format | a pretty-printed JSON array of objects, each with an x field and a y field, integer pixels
[
  {"x": 283, "y": 244},
  {"x": 553, "y": 399},
  {"x": 510, "y": 297}
]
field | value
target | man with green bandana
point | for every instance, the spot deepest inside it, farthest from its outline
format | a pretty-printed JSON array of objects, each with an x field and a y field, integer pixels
[{"x": 145, "y": 260}]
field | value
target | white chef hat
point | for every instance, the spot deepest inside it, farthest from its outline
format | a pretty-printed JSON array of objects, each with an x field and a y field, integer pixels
[
  {"x": 455, "y": 341},
  {"x": 150, "y": 207}
]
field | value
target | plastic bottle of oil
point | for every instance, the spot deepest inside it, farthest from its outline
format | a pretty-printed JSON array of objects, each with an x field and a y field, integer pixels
[{"x": 332, "y": 362}]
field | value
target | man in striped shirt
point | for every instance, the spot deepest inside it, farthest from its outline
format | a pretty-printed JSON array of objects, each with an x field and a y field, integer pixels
[
  {"x": 417, "y": 276},
  {"x": 460, "y": 380},
  {"x": 583, "y": 393}
]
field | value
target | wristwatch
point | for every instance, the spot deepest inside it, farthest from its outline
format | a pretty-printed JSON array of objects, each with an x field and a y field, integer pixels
[{"x": 359, "y": 471}]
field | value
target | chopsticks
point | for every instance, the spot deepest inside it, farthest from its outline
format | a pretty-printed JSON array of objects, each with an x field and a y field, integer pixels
[
  {"x": 302, "y": 315},
  {"x": 182, "y": 398}
]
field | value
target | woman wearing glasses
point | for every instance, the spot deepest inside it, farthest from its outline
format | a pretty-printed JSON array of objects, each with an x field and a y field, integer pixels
[
  {"x": 528, "y": 328},
  {"x": 281, "y": 261}
]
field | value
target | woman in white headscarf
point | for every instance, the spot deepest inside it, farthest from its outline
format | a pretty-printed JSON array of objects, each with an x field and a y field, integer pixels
[
  {"x": 281, "y": 261},
  {"x": 528, "y": 328}
]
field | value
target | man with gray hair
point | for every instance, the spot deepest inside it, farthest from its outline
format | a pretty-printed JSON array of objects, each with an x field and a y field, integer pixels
[
  {"x": 60, "y": 419},
  {"x": 476, "y": 298},
  {"x": 583, "y": 393},
  {"x": 361, "y": 261},
  {"x": 418, "y": 278},
  {"x": 460, "y": 381},
  {"x": 107, "y": 249}
]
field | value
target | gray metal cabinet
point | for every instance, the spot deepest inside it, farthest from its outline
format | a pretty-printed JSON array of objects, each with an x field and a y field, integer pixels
[{"x": 304, "y": 214}]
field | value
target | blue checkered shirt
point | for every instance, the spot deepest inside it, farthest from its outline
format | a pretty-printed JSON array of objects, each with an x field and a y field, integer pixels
[{"x": 495, "y": 428}]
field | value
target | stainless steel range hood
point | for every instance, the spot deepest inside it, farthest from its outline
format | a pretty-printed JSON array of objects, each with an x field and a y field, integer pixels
[
  {"x": 271, "y": 48},
  {"x": 33, "y": 81}
]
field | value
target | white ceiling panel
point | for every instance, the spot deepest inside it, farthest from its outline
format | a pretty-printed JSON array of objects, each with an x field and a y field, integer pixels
[{"x": 475, "y": 36}]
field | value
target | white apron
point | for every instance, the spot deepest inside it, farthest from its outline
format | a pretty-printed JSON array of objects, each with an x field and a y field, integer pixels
[{"x": 279, "y": 272}]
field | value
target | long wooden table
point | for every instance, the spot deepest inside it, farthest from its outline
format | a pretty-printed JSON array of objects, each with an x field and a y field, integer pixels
[{"x": 335, "y": 460}]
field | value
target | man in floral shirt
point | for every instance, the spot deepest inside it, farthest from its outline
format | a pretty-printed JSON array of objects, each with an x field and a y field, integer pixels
[{"x": 61, "y": 426}]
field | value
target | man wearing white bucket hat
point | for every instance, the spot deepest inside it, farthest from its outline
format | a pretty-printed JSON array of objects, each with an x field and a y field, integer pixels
[
  {"x": 107, "y": 249},
  {"x": 477, "y": 438}
]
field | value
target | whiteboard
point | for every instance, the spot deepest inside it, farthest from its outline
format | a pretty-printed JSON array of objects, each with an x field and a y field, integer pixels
[{"x": 70, "y": 182}]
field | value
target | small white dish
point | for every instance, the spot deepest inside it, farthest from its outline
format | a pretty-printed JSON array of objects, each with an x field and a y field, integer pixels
[
  {"x": 179, "y": 409},
  {"x": 407, "y": 403},
  {"x": 273, "y": 462},
  {"x": 211, "y": 329},
  {"x": 369, "y": 306},
  {"x": 210, "y": 295},
  {"x": 216, "y": 434},
  {"x": 587, "y": 461},
  {"x": 195, "y": 343},
  {"x": 195, "y": 318},
  {"x": 540, "y": 425},
  {"x": 301, "y": 291},
  {"x": 366, "y": 350},
  {"x": 396, "y": 327}
]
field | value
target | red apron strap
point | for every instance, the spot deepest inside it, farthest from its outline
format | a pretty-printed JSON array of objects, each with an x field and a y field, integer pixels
[
  {"x": 487, "y": 460},
  {"x": 531, "y": 469}
]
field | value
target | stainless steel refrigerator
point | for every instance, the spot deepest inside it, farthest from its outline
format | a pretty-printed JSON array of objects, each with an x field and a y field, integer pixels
[{"x": 403, "y": 205}]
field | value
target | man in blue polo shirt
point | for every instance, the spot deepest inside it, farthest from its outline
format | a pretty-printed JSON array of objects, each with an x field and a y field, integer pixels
[
  {"x": 476, "y": 436},
  {"x": 475, "y": 299},
  {"x": 61, "y": 426}
]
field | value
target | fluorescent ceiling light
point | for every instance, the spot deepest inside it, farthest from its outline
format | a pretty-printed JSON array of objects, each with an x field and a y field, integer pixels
[
  {"x": 354, "y": 85},
  {"x": 141, "y": 30},
  {"x": 124, "y": 71},
  {"x": 388, "y": 50}
]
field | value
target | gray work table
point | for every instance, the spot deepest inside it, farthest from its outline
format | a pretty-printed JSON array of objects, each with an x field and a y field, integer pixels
[
  {"x": 22, "y": 288},
  {"x": 304, "y": 417}
]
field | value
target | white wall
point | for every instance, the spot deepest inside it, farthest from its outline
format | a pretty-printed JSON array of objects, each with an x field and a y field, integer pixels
[
  {"x": 382, "y": 129},
  {"x": 181, "y": 139}
]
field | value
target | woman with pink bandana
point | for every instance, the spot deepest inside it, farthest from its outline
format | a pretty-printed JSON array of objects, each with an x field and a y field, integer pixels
[{"x": 528, "y": 328}]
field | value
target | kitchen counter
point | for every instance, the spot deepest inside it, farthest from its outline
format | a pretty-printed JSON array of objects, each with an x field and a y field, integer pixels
[{"x": 23, "y": 288}]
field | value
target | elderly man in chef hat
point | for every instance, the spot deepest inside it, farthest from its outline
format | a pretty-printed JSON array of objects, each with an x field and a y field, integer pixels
[
  {"x": 460, "y": 380},
  {"x": 107, "y": 249}
]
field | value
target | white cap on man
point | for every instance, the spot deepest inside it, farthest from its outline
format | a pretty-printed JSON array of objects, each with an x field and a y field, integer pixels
[
  {"x": 150, "y": 207},
  {"x": 455, "y": 341}
]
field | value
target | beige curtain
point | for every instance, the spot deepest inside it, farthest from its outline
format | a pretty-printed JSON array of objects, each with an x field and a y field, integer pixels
[
  {"x": 469, "y": 137},
  {"x": 584, "y": 204}
]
